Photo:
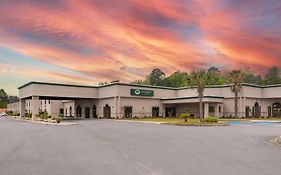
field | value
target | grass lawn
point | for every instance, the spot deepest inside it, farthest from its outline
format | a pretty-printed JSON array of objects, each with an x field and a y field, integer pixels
[
  {"x": 176, "y": 121},
  {"x": 194, "y": 122}
]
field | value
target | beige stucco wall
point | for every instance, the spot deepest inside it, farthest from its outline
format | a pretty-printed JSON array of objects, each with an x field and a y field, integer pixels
[
  {"x": 252, "y": 92},
  {"x": 58, "y": 91},
  {"x": 55, "y": 107},
  {"x": 221, "y": 91},
  {"x": 272, "y": 92},
  {"x": 124, "y": 91},
  {"x": 141, "y": 106},
  {"x": 14, "y": 107}
]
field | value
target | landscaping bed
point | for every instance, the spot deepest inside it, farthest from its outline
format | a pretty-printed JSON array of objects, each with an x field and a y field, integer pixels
[
  {"x": 42, "y": 120},
  {"x": 178, "y": 121}
]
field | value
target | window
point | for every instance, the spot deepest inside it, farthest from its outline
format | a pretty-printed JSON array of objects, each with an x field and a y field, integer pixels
[
  {"x": 61, "y": 110},
  {"x": 219, "y": 109},
  {"x": 211, "y": 108},
  {"x": 128, "y": 111},
  {"x": 276, "y": 109},
  {"x": 94, "y": 111},
  {"x": 49, "y": 101},
  {"x": 269, "y": 111},
  {"x": 257, "y": 110},
  {"x": 248, "y": 110},
  {"x": 155, "y": 111}
]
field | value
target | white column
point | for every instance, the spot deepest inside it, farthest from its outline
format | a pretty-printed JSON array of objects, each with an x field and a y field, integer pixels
[
  {"x": 206, "y": 109},
  {"x": 114, "y": 107},
  {"x": 119, "y": 107},
  {"x": 35, "y": 106},
  {"x": 22, "y": 107},
  {"x": 240, "y": 107},
  {"x": 222, "y": 110},
  {"x": 217, "y": 110},
  {"x": 244, "y": 107},
  {"x": 74, "y": 109}
]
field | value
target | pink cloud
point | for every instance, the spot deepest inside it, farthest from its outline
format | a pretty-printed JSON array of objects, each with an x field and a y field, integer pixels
[{"x": 110, "y": 40}]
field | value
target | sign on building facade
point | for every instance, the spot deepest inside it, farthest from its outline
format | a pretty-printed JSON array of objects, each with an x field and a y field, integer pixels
[{"x": 142, "y": 92}]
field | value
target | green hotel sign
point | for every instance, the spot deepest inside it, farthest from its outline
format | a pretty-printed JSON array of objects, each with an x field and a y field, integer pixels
[{"x": 141, "y": 92}]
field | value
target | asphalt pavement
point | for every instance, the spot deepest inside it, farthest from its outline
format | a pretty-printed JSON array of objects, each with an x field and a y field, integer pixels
[{"x": 106, "y": 147}]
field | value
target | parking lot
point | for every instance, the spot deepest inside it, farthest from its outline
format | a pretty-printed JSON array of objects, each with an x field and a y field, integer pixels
[{"x": 126, "y": 148}]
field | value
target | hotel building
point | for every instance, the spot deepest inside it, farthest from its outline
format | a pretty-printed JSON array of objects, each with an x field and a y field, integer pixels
[{"x": 121, "y": 100}]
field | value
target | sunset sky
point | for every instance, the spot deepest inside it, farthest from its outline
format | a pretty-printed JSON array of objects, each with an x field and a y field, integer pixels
[{"x": 88, "y": 41}]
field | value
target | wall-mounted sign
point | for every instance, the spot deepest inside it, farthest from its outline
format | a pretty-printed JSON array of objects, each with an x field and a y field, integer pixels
[{"x": 141, "y": 92}]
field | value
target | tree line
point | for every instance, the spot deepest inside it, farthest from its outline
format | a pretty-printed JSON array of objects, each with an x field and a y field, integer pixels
[
  {"x": 6, "y": 99},
  {"x": 199, "y": 79},
  {"x": 216, "y": 77}
]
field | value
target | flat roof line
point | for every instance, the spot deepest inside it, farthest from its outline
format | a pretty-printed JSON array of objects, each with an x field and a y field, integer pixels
[
  {"x": 193, "y": 97},
  {"x": 145, "y": 86}
]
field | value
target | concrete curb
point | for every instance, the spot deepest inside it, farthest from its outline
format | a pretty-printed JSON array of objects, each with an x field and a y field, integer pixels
[
  {"x": 199, "y": 125},
  {"x": 40, "y": 122},
  {"x": 133, "y": 121},
  {"x": 163, "y": 123}
]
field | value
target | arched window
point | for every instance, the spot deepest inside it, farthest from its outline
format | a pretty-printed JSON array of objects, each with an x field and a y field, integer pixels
[
  {"x": 276, "y": 109},
  {"x": 269, "y": 111},
  {"x": 106, "y": 111},
  {"x": 128, "y": 111},
  {"x": 155, "y": 111},
  {"x": 94, "y": 111},
  {"x": 257, "y": 110}
]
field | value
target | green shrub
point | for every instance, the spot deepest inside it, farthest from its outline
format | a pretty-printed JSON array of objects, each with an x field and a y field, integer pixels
[
  {"x": 58, "y": 120},
  {"x": 43, "y": 115},
  {"x": 28, "y": 115},
  {"x": 9, "y": 112},
  {"x": 61, "y": 115},
  {"x": 185, "y": 116},
  {"x": 211, "y": 119}
]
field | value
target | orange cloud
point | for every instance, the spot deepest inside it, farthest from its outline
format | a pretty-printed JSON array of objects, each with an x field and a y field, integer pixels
[{"x": 109, "y": 40}]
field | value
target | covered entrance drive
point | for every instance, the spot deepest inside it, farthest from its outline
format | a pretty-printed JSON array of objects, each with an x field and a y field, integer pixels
[
  {"x": 212, "y": 106},
  {"x": 36, "y": 91}
]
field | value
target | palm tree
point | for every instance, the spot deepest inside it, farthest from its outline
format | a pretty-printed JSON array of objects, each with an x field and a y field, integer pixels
[
  {"x": 199, "y": 80},
  {"x": 236, "y": 79}
]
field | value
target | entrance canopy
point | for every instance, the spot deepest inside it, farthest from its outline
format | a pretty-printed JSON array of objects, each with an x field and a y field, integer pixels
[
  {"x": 178, "y": 100},
  {"x": 55, "y": 91}
]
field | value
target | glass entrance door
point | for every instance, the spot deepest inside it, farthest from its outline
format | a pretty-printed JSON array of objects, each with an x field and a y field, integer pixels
[
  {"x": 87, "y": 112},
  {"x": 170, "y": 112}
]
